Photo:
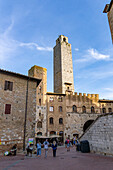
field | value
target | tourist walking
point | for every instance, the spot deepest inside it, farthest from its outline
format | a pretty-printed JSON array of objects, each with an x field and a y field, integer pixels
[
  {"x": 68, "y": 145},
  {"x": 54, "y": 146},
  {"x": 38, "y": 148},
  {"x": 46, "y": 144},
  {"x": 74, "y": 141}
]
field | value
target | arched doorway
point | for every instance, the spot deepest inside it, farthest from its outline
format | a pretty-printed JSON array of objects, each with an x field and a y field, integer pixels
[{"x": 87, "y": 124}]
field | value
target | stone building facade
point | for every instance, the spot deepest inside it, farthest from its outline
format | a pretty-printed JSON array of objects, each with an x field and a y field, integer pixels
[
  {"x": 56, "y": 114},
  {"x": 109, "y": 10},
  {"x": 17, "y": 109}
]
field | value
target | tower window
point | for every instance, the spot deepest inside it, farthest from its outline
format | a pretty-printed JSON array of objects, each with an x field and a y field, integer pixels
[
  {"x": 40, "y": 89},
  {"x": 64, "y": 39}
]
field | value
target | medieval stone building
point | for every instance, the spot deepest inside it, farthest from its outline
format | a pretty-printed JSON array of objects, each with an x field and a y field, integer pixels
[{"x": 17, "y": 109}]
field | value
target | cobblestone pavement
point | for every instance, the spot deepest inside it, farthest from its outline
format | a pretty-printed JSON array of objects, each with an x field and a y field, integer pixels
[{"x": 65, "y": 160}]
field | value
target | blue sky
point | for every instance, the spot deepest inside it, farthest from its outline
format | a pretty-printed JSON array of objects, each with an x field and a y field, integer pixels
[{"x": 29, "y": 29}]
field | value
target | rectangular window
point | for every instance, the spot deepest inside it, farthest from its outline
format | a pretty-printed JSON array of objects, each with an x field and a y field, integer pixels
[
  {"x": 8, "y": 85},
  {"x": 51, "y": 108},
  {"x": 7, "y": 108}
]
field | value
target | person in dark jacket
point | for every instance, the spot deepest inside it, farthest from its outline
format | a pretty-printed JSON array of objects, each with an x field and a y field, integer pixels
[
  {"x": 54, "y": 146},
  {"x": 13, "y": 150}
]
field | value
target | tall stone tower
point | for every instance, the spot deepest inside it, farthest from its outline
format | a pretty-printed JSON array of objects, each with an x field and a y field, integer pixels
[
  {"x": 63, "y": 67},
  {"x": 40, "y": 73}
]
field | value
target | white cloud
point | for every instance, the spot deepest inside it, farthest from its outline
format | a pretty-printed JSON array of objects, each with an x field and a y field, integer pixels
[
  {"x": 92, "y": 55},
  {"x": 32, "y": 45},
  {"x": 76, "y": 49},
  {"x": 96, "y": 55},
  {"x": 9, "y": 47},
  {"x": 108, "y": 89}
]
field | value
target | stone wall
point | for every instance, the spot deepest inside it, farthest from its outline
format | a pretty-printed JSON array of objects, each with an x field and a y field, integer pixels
[
  {"x": 12, "y": 125},
  {"x": 100, "y": 135}
]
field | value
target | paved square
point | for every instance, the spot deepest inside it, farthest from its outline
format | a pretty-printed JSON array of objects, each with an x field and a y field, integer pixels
[{"x": 65, "y": 160}]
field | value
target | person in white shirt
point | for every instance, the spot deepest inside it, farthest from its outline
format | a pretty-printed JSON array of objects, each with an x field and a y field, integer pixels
[{"x": 46, "y": 144}]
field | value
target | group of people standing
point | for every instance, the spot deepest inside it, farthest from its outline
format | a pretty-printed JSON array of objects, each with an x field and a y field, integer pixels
[
  {"x": 68, "y": 144},
  {"x": 39, "y": 147},
  {"x": 46, "y": 145}
]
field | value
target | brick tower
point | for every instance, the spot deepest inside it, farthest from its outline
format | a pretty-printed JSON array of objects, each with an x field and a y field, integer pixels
[{"x": 63, "y": 67}]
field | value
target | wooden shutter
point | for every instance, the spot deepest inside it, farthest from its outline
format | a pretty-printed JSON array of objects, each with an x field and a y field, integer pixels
[
  {"x": 10, "y": 86},
  {"x": 7, "y": 108},
  {"x": 6, "y": 85}
]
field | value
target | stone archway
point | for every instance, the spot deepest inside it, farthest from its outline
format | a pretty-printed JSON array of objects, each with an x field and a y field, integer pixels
[{"x": 87, "y": 124}]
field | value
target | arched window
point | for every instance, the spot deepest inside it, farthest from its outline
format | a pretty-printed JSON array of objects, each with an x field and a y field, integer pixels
[
  {"x": 60, "y": 121},
  {"x": 103, "y": 110},
  {"x": 39, "y": 124},
  {"x": 51, "y": 120},
  {"x": 109, "y": 109},
  {"x": 74, "y": 108},
  {"x": 83, "y": 109},
  {"x": 60, "y": 108},
  {"x": 92, "y": 109}
]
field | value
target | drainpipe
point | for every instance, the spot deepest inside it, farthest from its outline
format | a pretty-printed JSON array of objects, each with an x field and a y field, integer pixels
[{"x": 24, "y": 139}]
